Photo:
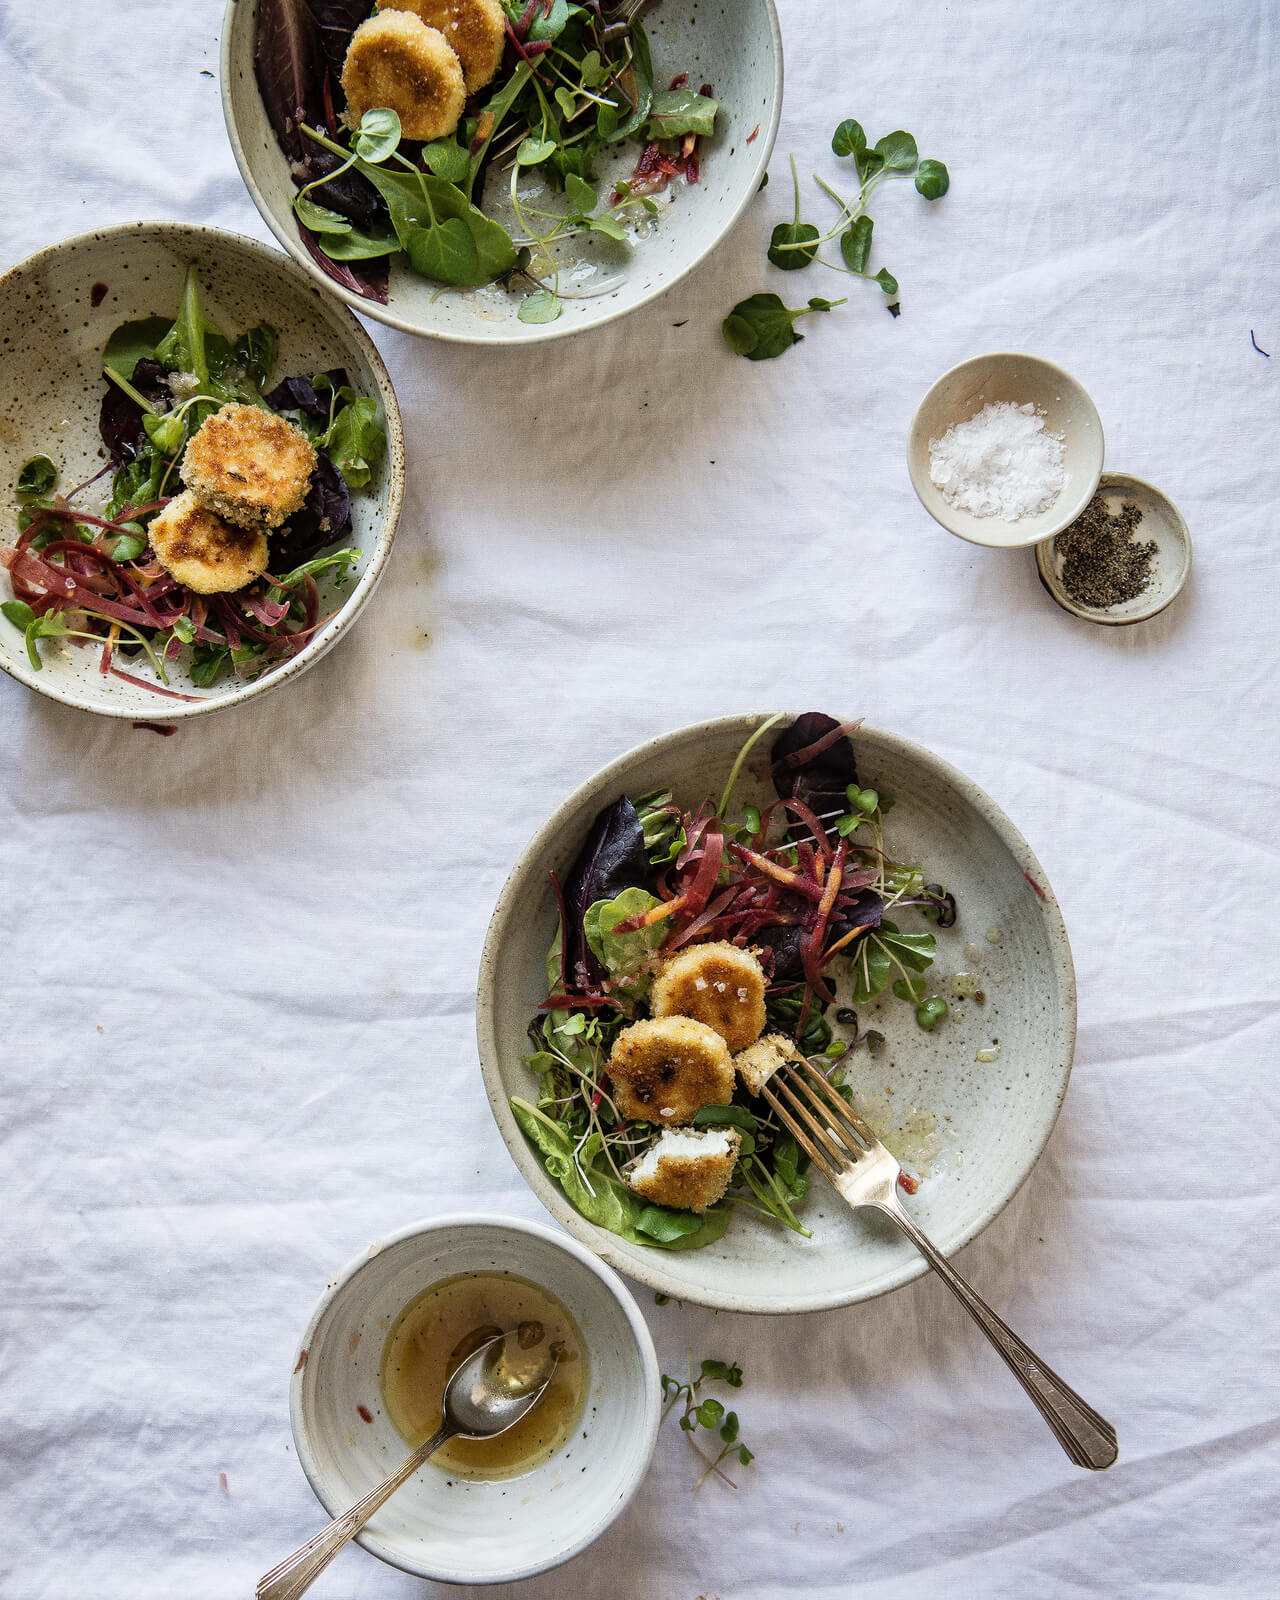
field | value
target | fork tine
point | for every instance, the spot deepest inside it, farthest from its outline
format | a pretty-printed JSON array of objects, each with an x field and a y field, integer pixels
[
  {"x": 846, "y": 1119},
  {"x": 836, "y": 1156},
  {"x": 811, "y": 1148}
]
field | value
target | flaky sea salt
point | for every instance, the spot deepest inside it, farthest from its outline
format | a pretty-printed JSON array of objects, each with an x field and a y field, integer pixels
[{"x": 1003, "y": 462}]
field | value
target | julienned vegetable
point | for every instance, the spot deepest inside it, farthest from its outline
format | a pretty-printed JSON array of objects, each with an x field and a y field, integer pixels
[
  {"x": 762, "y": 326},
  {"x": 663, "y": 902},
  {"x": 107, "y": 578},
  {"x": 572, "y": 86}
]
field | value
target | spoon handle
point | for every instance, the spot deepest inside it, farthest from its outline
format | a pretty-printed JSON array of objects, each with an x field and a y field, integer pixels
[{"x": 296, "y": 1573}]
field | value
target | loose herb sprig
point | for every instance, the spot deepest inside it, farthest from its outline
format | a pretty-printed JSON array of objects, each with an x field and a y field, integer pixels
[
  {"x": 709, "y": 1414},
  {"x": 762, "y": 327}
]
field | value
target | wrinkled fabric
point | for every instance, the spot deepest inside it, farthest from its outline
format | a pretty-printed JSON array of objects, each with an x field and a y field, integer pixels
[{"x": 239, "y": 963}]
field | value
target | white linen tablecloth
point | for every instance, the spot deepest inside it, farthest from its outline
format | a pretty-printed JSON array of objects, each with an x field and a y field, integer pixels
[{"x": 239, "y": 963}]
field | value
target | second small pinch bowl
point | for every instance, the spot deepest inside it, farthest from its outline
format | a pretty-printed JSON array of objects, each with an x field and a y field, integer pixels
[
  {"x": 440, "y": 1525},
  {"x": 1009, "y": 376}
]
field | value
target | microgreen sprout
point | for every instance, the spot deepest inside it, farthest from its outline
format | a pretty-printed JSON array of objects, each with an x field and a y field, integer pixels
[{"x": 708, "y": 1414}]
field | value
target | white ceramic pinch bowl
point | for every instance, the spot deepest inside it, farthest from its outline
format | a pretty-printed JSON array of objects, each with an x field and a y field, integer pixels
[
  {"x": 988, "y": 380},
  {"x": 57, "y": 310},
  {"x": 735, "y": 45},
  {"x": 988, "y": 1119},
  {"x": 439, "y": 1525}
]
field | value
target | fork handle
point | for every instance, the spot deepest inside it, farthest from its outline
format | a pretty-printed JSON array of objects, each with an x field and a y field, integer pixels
[
  {"x": 1088, "y": 1439},
  {"x": 296, "y": 1573}
]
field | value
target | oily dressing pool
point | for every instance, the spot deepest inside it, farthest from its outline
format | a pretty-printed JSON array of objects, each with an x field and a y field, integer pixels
[{"x": 445, "y": 1324}]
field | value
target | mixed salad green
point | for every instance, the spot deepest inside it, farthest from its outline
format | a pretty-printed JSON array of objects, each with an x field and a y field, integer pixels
[
  {"x": 93, "y": 577},
  {"x": 576, "y": 85},
  {"x": 807, "y": 883}
]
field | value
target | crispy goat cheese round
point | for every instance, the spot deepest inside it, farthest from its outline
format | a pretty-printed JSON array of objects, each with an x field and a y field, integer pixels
[
  {"x": 250, "y": 466},
  {"x": 717, "y": 984},
  {"x": 759, "y": 1061},
  {"x": 689, "y": 1168},
  {"x": 198, "y": 548},
  {"x": 395, "y": 60},
  {"x": 665, "y": 1069},
  {"x": 475, "y": 30}
]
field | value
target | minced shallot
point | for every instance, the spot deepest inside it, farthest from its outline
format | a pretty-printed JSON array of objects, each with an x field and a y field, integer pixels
[{"x": 1003, "y": 462}]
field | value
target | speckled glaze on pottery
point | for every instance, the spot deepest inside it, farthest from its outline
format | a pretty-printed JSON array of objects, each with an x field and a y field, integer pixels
[
  {"x": 439, "y": 1525},
  {"x": 57, "y": 310},
  {"x": 989, "y": 1121},
  {"x": 987, "y": 380},
  {"x": 1161, "y": 522},
  {"x": 734, "y": 45}
]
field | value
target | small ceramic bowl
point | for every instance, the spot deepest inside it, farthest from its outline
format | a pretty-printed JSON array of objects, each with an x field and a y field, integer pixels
[
  {"x": 737, "y": 49},
  {"x": 439, "y": 1525},
  {"x": 971, "y": 1128},
  {"x": 1162, "y": 523},
  {"x": 987, "y": 380},
  {"x": 57, "y": 310}
]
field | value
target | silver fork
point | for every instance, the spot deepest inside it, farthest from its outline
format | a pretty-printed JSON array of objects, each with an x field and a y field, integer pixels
[{"x": 864, "y": 1173}]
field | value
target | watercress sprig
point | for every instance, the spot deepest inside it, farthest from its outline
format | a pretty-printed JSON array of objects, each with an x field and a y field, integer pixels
[{"x": 754, "y": 328}]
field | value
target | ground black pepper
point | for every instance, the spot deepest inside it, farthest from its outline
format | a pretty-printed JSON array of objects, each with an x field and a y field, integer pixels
[{"x": 1102, "y": 563}]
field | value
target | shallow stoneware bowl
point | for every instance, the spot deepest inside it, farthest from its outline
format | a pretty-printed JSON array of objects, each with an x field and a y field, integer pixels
[
  {"x": 1162, "y": 524},
  {"x": 439, "y": 1525},
  {"x": 736, "y": 48},
  {"x": 972, "y": 1130},
  {"x": 57, "y": 310},
  {"x": 987, "y": 380}
]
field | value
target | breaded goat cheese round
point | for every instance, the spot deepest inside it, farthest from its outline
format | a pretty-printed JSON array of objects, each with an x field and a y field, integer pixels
[
  {"x": 195, "y": 546},
  {"x": 395, "y": 60},
  {"x": 665, "y": 1069},
  {"x": 718, "y": 984},
  {"x": 250, "y": 466},
  {"x": 475, "y": 30},
  {"x": 689, "y": 1168},
  {"x": 759, "y": 1061}
]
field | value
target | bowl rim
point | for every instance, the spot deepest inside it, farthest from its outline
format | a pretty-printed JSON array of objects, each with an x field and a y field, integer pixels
[
  {"x": 1053, "y": 588},
  {"x": 599, "y": 1239},
  {"x": 479, "y": 1222},
  {"x": 354, "y": 603},
  {"x": 546, "y": 332},
  {"x": 919, "y": 476}
]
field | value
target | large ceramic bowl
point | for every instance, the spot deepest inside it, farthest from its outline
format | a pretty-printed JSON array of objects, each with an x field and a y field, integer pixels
[
  {"x": 440, "y": 1525},
  {"x": 736, "y": 48},
  {"x": 57, "y": 310},
  {"x": 972, "y": 1129}
]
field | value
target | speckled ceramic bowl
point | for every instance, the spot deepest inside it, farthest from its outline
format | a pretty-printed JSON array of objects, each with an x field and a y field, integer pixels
[
  {"x": 57, "y": 310},
  {"x": 1009, "y": 375},
  {"x": 734, "y": 45},
  {"x": 439, "y": 1525},
  {"x": 973, "y": 1130}
]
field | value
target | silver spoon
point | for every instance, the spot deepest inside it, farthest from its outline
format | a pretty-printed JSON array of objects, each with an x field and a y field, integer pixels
[{"x": 486, "y": 1395}]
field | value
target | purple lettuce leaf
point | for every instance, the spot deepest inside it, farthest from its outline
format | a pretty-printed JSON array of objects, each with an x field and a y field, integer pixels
[
  {"x": 612, "y": 859},
  {"x": 821, "y": 781},
  {"x": 289, "y": 63},
  {"x": 351, "y": 196},
  {"x": 370, "y": 281},
  {"x": 120, "y": 417},
  {"x": 324, "y": 519},
  {"x": 299, "y": 394},
  {"x": 336, "y": 21}
]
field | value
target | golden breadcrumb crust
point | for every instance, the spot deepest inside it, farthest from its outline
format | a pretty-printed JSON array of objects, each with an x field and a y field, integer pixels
[
  {"x": 665, "y": 1069},
  {"x": 395, "y": 60},
  {"x": 718, "y": 984},
  {"x": 690, "y": 1183},
  {"x": 759, "y": 1061},
  {"x": 199, "y": 549},
  {"x": 475, "y": 30},
  {"x": 250, "y": 466}
]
